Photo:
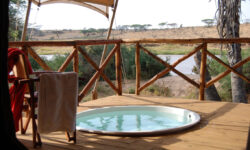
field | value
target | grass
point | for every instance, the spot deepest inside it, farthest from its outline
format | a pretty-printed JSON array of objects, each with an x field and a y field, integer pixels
[
  {"x": 156, "y": 90},
  {"x": 178, "y": 49},
  {"x": 103, "y": 90},
  {"x": 53, "y": 50},
  {"x": 163, "y": 49}
]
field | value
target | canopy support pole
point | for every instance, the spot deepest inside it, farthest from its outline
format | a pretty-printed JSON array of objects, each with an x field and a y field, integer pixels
[
  {"x": 94, "y": 91},
  {"x": 26, "y": 21}
]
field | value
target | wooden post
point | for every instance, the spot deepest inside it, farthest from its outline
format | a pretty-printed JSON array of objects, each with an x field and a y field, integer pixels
[
  {"x": 93, "y": 64},
  {"x": 26, "y": 21},
  {"x": 138, "y": 69},
  {"x": 94, "y": 91},
  {"x": 202, "y": 72},
  {"x": 97, "y": 74},
  {"x": 118, "y": 69},
  {"x": 218, "y": 77},
  {"x": 76, "y": 61}
]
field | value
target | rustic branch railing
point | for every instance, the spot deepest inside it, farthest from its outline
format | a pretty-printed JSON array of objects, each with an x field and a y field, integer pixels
[
  {"x": 201, "y": 47},
  {"x": 27, "y": 47},
  {"x": 74, "y": 55}
]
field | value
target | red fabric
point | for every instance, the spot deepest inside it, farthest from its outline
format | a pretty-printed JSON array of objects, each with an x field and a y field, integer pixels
[{"x": 17, "y": 90}]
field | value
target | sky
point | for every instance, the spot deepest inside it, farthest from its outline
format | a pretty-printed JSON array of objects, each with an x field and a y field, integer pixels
[{"x": 185, "y": 12}]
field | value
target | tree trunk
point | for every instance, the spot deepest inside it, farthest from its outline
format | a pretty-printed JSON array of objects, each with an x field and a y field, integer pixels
[
  {"x": 237, "y": 84},
  {"x": 7, "y": 129},
  {"x": 229, "y": 27},
  {"x": 210, "y": 92}
]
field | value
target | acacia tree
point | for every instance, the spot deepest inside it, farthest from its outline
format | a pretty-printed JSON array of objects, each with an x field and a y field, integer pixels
[
  {"x": 162, "y": 24},
  {"x": 228, "y": 25},
  {"x": 208, "y": 22}
]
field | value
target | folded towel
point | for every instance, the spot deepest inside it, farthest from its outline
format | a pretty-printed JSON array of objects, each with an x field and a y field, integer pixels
[{"x": 57, "y": 102}]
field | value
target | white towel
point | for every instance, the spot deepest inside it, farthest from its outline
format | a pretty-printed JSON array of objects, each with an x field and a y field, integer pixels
[{"x": 57, "y": 102}]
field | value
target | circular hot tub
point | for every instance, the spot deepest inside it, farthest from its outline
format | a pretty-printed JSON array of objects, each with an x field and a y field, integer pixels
[{"x": 135, "y": 120}]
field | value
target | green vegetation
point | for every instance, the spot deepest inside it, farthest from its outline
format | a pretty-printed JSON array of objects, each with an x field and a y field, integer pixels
[
  {"x": 156, "y": 90},
  {"x": 225, "y": 83},
  {"x": 178, "y": 49},
  {"x": 208, "y": 22},
  {"x": 169, "y": 49},
  {"x": 16, "y": 7},
  {"x": 149, "y": 66}
]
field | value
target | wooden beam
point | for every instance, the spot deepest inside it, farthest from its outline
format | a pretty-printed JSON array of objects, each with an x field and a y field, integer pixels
[
  {"x": 63, "y": 43},
  {"x": 38, "y": 59},
  {"x": 165, "y": 71},
  {"x": 170, "y": 67},
  {"x": 176, "y": 62},
  {"x": 67, "y": 61},
  {"x": 93, "y": 64},
  {"x": 128, "y": 41},
  {"x": 202, "y": 72},
  {"x": 189, "y": 41},
  {"x": 118, "y": 70},
  {"x": 26, "y": 21},
  {"x": 138, "y": 69},
  {"x": 218, "y": 77},
  {"x": 97, "y": 74},
  {"x": 94, "y": 91},
  {"x": 76, "y": 62},
  {"x": 228, "y": 67}
]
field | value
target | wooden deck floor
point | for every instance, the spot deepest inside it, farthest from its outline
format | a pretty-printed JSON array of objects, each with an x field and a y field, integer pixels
[{"x": 223, "y": 126}]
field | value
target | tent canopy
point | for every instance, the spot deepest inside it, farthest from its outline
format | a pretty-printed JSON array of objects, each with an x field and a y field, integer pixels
[{"x": 100, "y": 6}]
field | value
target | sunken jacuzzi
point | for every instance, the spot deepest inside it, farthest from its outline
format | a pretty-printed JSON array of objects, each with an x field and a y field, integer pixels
[{"x": 135, "y": 120}]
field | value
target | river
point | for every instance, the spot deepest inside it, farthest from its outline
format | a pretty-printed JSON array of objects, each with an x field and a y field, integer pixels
[{"x": 184, "y": 67}]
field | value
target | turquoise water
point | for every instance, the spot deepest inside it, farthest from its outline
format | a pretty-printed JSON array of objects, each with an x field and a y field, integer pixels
[{"x": 131, "y": 121}]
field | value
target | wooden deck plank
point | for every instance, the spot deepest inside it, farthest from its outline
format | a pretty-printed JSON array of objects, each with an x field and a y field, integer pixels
[{"x": 223, "y": 126}]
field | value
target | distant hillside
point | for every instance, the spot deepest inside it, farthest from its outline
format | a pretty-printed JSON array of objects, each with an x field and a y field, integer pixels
[{"x": 176, "y": 33}]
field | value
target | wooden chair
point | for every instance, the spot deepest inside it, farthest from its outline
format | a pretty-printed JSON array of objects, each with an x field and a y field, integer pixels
[
  {"x": 30, "y": 100},
  {"x": 20, "y": 70}
]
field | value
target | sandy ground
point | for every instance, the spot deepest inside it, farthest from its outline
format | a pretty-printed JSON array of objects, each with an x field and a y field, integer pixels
[
  {"x": 178, "y": 86},
  {"x": 178, "y": 33}
]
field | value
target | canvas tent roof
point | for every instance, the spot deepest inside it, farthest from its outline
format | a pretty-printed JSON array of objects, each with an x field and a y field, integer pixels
[{"x": 100, "y": 6}]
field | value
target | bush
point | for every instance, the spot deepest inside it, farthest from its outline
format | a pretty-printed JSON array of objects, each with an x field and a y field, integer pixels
[
  {"x": 131, "y": 90},
  {"x": 157, "y": 90},
  {"x": 149, "y": 66}
]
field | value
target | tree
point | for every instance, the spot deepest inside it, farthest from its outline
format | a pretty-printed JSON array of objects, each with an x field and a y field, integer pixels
[
  {"x": 172, "y": 25},
  {"x": 136, "y": 27},
  {"x": 15, "y": 19},
  {"x": 208, "y": 22},
  {"x": 146, "y": 26},
  {"x": 228, "y": 25},
  {"x": 122, "y": 28},
  {"x": 102, "y": 31},
  {"x": 162, "y": 24}
]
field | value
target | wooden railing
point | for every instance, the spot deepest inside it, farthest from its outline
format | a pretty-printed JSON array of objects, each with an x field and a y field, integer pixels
[
  {"x": 76, "y": 49},
  {"x": 203, "y": 47}
]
